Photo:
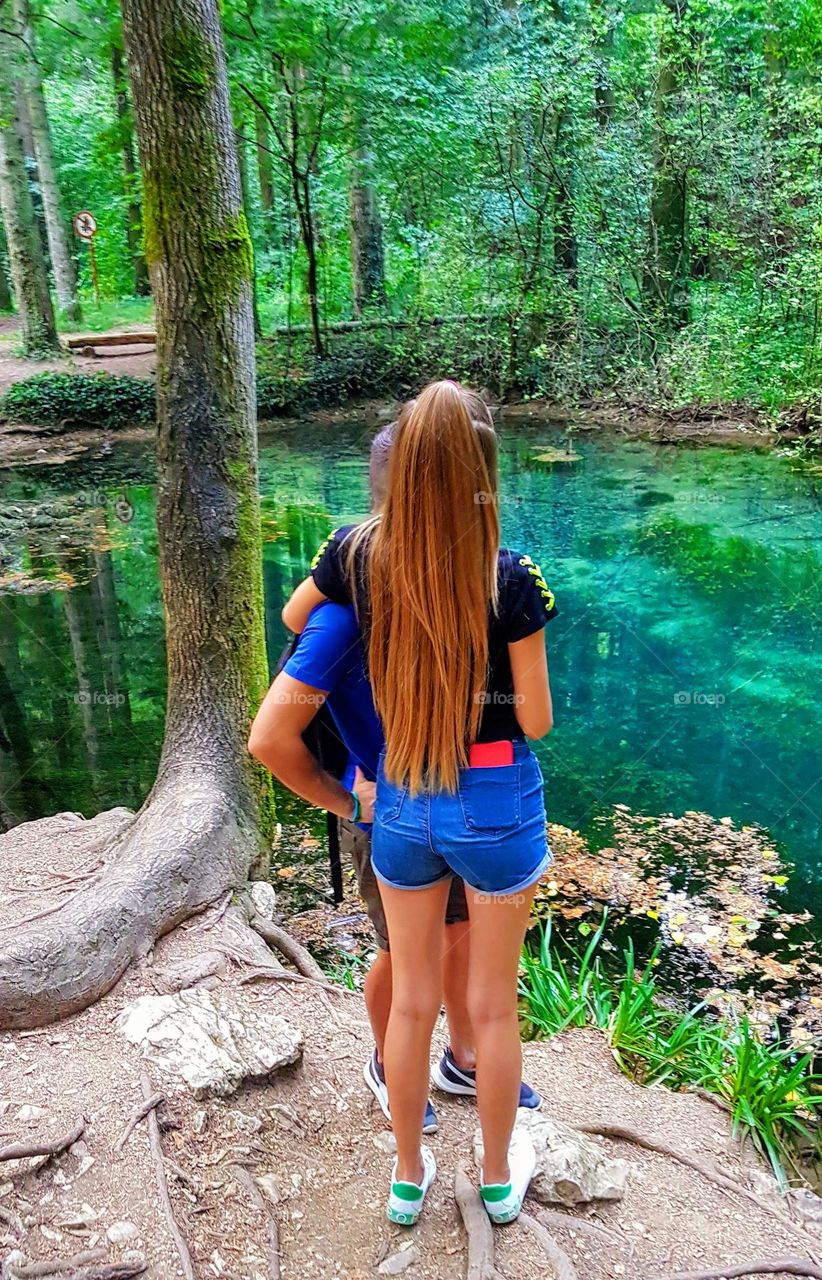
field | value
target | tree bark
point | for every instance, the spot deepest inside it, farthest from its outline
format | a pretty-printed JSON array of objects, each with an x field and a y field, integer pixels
[
  {"x": 6, "y": 302},
  {"x": 28, "y": 266},
  {"x": 367, "y": 253},
  {"x": 134, "y": 212},
  {"x": 199, "y": 829},
  {"x": 242, "y": 160},
  {"x": 265, "y": 171},
  {"x": 62, "y": 262},
  {"x": 667, "y": 273}
]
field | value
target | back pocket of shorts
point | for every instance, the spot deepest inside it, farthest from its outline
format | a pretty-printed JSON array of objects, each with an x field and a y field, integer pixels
[
  {"x": 490, "y": 798},
  {"x": 389, "y": 800}
]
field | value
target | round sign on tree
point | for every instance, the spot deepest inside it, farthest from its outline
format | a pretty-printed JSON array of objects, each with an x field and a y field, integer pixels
[{"x": 85, "y": 224}]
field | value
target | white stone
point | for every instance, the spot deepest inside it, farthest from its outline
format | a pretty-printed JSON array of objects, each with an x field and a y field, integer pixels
[
  {"x": 385, "y": 1142},
  {"x": 28, "y": 1113},
  {"x": 398, "y": 1262},
  {"x": 119, "y": 1232},
  {"x": 209, "y": 1040},
  {"x": 79, "y": 1218},
  {"x": 268, "y": 1185},
  {"x": 571, "y": 1169},
  {"x": 243, "y": 1123},
  {"x": 264, "y": 898}
]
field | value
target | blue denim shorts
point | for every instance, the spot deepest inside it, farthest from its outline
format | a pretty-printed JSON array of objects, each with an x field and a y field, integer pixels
[{"x": 491, "y": 831}]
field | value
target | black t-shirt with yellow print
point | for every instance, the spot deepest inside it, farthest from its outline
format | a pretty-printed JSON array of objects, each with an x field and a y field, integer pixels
[{"x": 526, "y": 604}]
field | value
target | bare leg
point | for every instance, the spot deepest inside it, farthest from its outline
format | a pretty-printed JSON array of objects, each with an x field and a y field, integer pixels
[
  {"x": 416, "y": 923},
  {"x": 455, "y": 993},
  {"x": 377, "y": 992},
  {"x": 498, "y": 927}
]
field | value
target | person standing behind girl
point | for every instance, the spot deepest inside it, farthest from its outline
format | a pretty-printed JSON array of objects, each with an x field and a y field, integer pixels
[{"x": 456, "y": 655}]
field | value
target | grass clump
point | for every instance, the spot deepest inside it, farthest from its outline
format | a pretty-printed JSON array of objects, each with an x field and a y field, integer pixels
[{"x": 772, "y": 1091}]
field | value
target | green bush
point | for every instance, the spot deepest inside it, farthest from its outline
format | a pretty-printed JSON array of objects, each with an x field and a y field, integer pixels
[
  {"x": 100, "y": 400},
  {"x": 290, "y": 378}
]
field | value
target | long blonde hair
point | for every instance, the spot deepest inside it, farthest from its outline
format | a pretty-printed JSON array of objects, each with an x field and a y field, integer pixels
[{"x": 432, "y": 578}]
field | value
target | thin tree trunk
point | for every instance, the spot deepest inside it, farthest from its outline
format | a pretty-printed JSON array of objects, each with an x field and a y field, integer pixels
[
  {"x": 28, "y": 266},
  {"x": 242, "y": 160},
  {"x": 265, "y": 170},
  {"x": 62, "y": 263},
  {"x": 6, "y": 302},
  {"x": 667, "y": 272},
  {"x": 302, "y": 199},
  {"x": 367, "y": 253},
  {"x": 134, "y": 213}
]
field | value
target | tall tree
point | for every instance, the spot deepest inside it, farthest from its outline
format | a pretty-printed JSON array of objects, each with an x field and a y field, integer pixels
[
  {"x": 28, "y": 265},
  {"x": 6, "y": 303},
  {"x": 62, "y": 262},
  {"x": 200, "y": 259},
  {"x": 667, "y": 269},
  {"x": 264, "y": 160},
  {"x": 134, "y": 213},
  {"x": 367, "y": 252},
  {"x": 200, "y": 827}
]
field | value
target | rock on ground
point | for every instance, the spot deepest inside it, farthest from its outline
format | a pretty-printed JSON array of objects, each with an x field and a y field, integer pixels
[
  {"x": 571, "y": 1168},
  {"x": 208, "y": 1040}
]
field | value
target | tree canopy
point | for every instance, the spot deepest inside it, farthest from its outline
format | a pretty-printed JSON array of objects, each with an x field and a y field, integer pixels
[{"x": 632, "y": 187}]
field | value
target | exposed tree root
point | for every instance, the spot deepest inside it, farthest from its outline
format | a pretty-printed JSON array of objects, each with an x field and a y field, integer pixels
[
  {"x": 189, "y": 844},
  {"x": 571, "y": 1222},
  {"x": 272, "y": 1229},
  {"x": 139, "y": 1114},
  {"x": 22, "y": 1150},
  {"x": 621, "y": 1133},
  {"x": 765, "y": 1267},
  {"x": 478, "y": 1229},
  {"x": 12, "y": 1220},
  {"x": 563, "y": 1267},
  {"x": 83, "y": 1266},
  {"x": 283, "y": 942},
  {"x": 16, "y": 1265},
  {"x": 162, "y": 1185},
  {"x": 714, "y": 1099}
]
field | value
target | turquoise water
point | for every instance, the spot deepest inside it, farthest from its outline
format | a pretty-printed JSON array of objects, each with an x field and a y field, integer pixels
[{"x": 684, "y": 662}]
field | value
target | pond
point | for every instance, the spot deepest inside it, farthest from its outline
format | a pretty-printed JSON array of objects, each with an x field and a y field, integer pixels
[{"x": 684, "y": 661}]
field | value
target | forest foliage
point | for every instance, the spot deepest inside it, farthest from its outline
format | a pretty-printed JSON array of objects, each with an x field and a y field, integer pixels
[{"x": 626, "y": 196}]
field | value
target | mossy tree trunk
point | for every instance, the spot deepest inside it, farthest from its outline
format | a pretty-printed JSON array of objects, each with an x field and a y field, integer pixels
[
  {"x": 62, "y": 262},
  {"x": 6, "y": 303},
  {"x": 200, "y": 260},
  {"x": 134, "y": 213},
  {"x": 367, "y": 252},
  {"x": 28, "y": 265},
  {"x": 667, "y": 276},
  {"x": 199, "y": 830}
]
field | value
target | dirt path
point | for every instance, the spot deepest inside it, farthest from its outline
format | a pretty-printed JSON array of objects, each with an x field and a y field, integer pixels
[
  {"x": 318, "y": 1143},
  {"x": 139, "y": 362}
]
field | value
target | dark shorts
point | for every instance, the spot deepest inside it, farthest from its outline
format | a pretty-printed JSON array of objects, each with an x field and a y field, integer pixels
[{"x": 356, "y": 844}]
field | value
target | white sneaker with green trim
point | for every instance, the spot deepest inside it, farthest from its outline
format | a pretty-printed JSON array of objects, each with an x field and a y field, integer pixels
[
  {"x": 503, "y": 1201},
  {"x": 405, "y": 1199}
]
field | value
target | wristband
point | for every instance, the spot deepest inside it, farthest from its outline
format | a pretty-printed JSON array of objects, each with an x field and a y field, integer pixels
[{"x": 357, "y": 814}]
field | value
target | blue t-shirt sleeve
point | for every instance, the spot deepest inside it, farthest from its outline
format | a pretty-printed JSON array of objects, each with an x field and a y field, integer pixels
[{"x": 327, "y": 647}]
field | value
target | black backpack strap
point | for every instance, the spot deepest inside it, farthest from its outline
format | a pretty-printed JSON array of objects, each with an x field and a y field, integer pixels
[{"x": 333, "y": 829}]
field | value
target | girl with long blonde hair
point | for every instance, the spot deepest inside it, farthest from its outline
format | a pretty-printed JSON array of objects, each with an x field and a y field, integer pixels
[{"x": 454, "y": 637}]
